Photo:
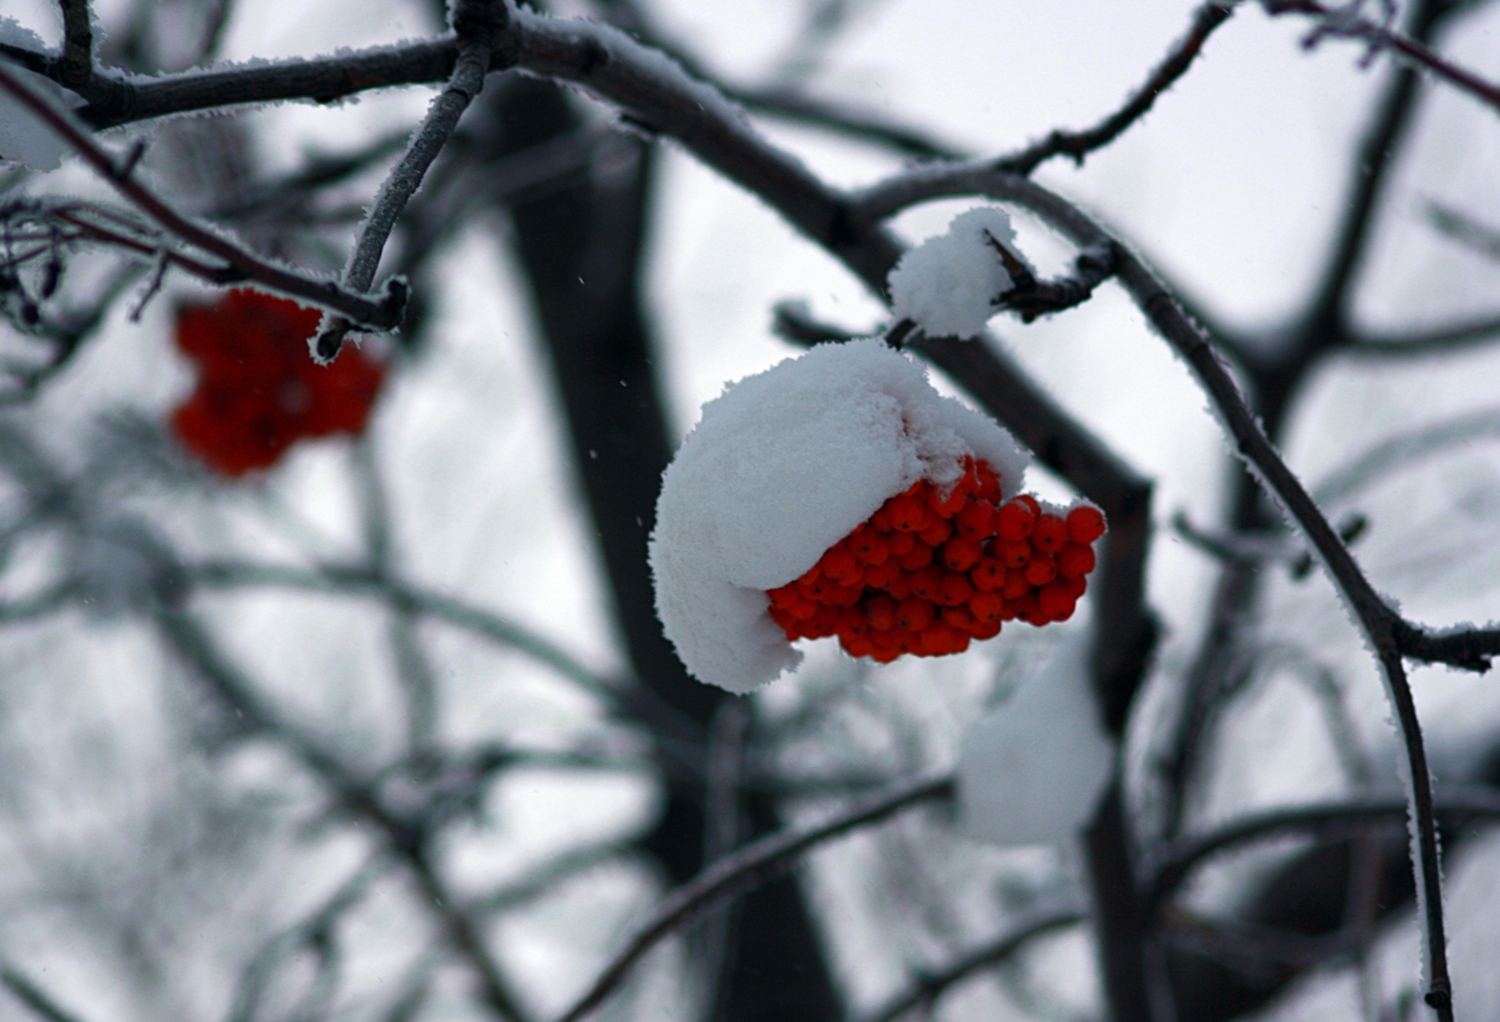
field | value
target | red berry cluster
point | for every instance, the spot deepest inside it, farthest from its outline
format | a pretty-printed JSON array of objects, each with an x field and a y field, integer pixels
[
  {"x": 259, "y": 390},
  {"x": 934, "y": 569}
]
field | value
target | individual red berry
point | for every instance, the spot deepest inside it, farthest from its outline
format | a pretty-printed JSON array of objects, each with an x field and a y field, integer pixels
[
  {"x": 844, "y": 596},
  {"x": 925, "y": 583},
  {"x": 880, "y": 576},
  {"x": 1056, "y": 601},
  {"x": 1014, "y": 521},
  {"x": 936, "y": 534},
  {"x": 857, "y": 645},
  {"x": 1027, "y": 610},
  {"x": 954, "y": 590},
  {"x": 909, "y": 513},
  {"x": 868, "y": 545},
  {"x": 957, "y": 617},
  {"x": 913, "y": 614},
  {"x": 986, "y": 606},
  {"x": 1085, "y": 524},
  {"x": 1075, "y": 560},
  {"x": 840, "y": 565},
  {"x": 988, "y": 574},
  {"x": 988, "y": 489},
  {"x": 881, "y": 520},
  {"x": 854, "y": 622},
  {"x": 1078, "y": 586},
  {"x": 1050, "y": 534},
  {"x": 1031, "y": 503},
  {"x": 1012, "y": 554},
  {"x": 961, "y": 553},
  {"x": 918, "y": 557},
  {"x": 1016, "y": 585},
  {"x": 908, "y": 641},
  {"x": 803, "y": 609},
  {"x": 900, "y": 586},
  {"x": 784, "y": 596},
  {"x": 1041, "y": 570},
  {"x": 901, "y": 543},
  {"x": 976, "y": 520},
  {"x": 946, "y": 505},
  {"x": 985, "y": 629},
  {"x": 941, "y": 639},
  {"x": 880, "y": 612}
]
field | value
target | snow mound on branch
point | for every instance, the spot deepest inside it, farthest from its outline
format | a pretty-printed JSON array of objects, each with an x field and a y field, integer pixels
[
  {"x": 1031, "y": 772},
  {"x": 948, "y": 284},
  {"x": 780, "y": 467}
]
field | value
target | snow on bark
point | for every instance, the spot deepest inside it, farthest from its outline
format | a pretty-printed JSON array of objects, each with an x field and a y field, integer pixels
[{"x": 780, "y": 467}]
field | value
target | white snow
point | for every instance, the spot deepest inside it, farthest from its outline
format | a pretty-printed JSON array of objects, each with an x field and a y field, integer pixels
[
  {"x": 25, "y": 138},
  {"x": 1031, "y": 772},
  {"x": 780, "y": 467},
  {"x": 948, "y": 284}
]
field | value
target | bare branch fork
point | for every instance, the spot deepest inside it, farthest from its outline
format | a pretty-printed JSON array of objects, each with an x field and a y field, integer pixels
[{"x": 240, "y": 265}]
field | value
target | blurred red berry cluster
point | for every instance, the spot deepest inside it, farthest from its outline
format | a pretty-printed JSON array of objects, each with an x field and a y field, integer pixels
[
  {"x": 933, "y": 569},
  {"x": 259, "y": 391}
]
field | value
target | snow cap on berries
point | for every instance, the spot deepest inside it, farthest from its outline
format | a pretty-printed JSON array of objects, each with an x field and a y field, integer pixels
[
  {"x": 783, "y": 465},
  {"x": 948, "y": 284},
  {"x": 1031, "y": 772}
]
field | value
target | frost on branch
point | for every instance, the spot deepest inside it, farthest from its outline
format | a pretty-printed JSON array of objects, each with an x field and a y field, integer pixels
[
  {"x": 782, "y": 466},
  {"x": 1031, "y": 772},
  {"x": 949, "y": 284}
]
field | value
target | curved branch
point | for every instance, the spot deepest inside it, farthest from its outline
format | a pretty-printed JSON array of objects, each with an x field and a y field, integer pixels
[
  {"x": 242, "y": 265},
  {"x": 1078, "y": 144},
  {"x": 929, "y": 988},
  {"x": 742, "y": 871},
  {"x": 1326, "y": 821},
  {"x": 1441, "y": 341}
]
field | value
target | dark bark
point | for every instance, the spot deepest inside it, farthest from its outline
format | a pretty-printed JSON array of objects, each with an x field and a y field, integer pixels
[{"x": 581, "y": 247}]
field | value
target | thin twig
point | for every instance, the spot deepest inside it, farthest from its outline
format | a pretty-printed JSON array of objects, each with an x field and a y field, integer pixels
[
  {"x": 1421, "y": 344},
  {"x": 743, "y": 871},
  {"x": 1388, "y": 455},
  {"x": 1340, "y": 23},
  {"x": 928, "y": 988},
  {"x": 31, "y": 995},
  {"x": 1078, "y": 144},
  {"x": 242, "y": 265},
  {"x": 480, "y": 25}
]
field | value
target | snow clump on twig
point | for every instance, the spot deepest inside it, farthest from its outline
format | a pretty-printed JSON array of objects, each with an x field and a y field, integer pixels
[{"x": 948, "y": 285}]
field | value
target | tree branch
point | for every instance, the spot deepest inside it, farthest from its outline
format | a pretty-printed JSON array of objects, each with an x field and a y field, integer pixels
[
  {"x": 1343, "y": 24},
  {"x": 242, "y": 265},
  {"x": 736, "y": 874},
  {"x": 480, "y": 26},
  {"x": 76, "y": 67},
  {"x": 928, "y": 988},
  {"x": 1325, "y": 821},
  {"x": 1078, "y": 144},
  {"x": 1441, "y": 341}
]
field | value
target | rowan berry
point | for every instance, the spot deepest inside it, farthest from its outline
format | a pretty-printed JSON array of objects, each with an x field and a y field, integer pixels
[
  {"x": 1085, "y": 524},
  {"x": 1075, "y": 560},
  {"x": 961, "y": 553},
  {"x": 1014, "y": 521},
  {"x": 976, "y": 520},
  {"x": 988, "y": 574},
  {"x": 1050, "y": 534},
  {"x": 954, "y": 590},
  {"x": 1041, "y": 570},
  {"x": 936, "y": 534},
  {"x": 913, "y": 614}
]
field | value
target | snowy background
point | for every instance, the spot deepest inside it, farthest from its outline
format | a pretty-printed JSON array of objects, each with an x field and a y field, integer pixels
[{"x": 140, "y": 874}]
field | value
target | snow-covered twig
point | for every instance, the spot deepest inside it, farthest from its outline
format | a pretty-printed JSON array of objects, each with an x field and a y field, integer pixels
[
  {"x": 929, "y": 987},
  {"x": 76, "y": 67},
  {"x": 742, "y": 871},
  {"x": 241, "y": 265},
  {"x": 1078, "y": 144}
]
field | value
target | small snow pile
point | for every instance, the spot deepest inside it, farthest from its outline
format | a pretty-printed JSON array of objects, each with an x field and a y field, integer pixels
[
  {"x": 948, "y": 285},
  {"x": 1031, "y": 772},
  {"x": 783, "y": 465},
  {"x": 25, "y": 138}
]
